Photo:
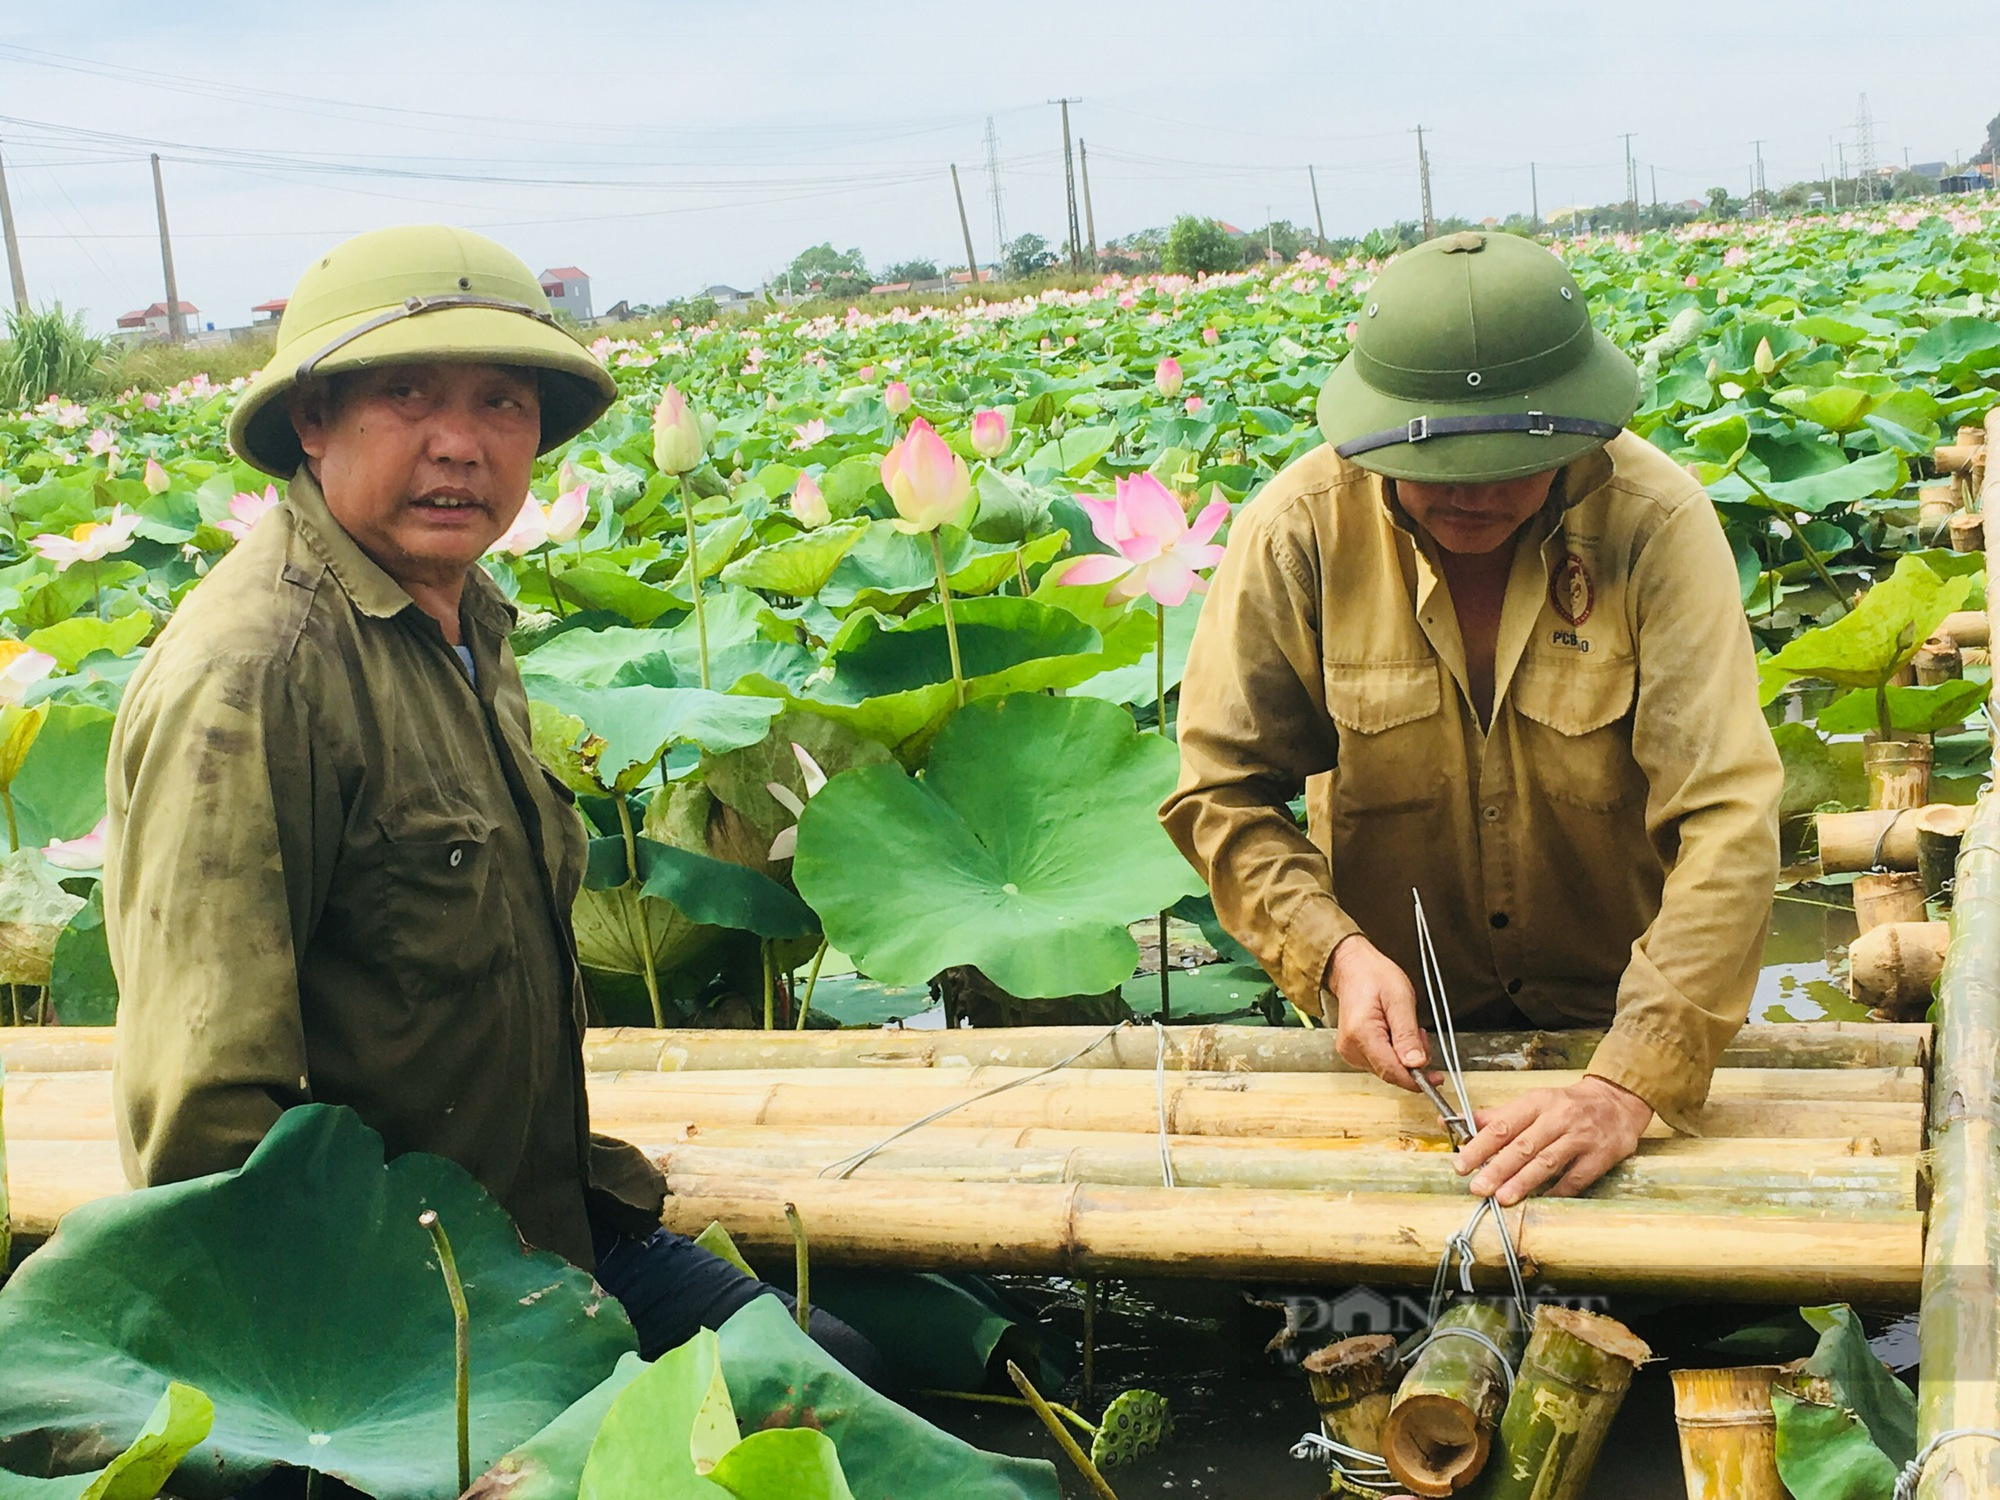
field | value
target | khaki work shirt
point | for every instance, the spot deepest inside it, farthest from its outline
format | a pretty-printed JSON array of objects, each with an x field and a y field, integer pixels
[
  {"x": 337, "y": 873},
  {"x": 1604, "y": 853}
]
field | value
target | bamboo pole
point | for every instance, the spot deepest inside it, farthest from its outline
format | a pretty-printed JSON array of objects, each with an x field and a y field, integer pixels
[
  {"x": 1967, "y": 532},
  {"x": 1898, "y": 772},
  {"x": 1080, "y": 1230},
  {"x": 1891, "y": 896},
  {"x": 1892, "y": 968},
  {"x": 1938, "y": 660},
  {"x": 1968, "y": 627},
  {"x": 1353, "y": 1384},
  {"x": 1440, "y": 1426},
  {"x": 1571, "y": 1382},
  {"x": 1728, "y": 1433},
  {"x": 1958, "y": 1327},
  {"x": 1940, "y": 829},
  {"x": 1215, "y": 1048},
  {"x": 1854, "y": 841}
]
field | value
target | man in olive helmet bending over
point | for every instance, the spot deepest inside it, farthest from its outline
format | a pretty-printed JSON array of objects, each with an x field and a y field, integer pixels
[
  {"x": 335, "y": 870},
  {"x": 1499, "y": 641}
]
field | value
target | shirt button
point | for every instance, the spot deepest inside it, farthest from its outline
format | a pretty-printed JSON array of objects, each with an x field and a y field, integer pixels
[
  {"x": 457, "y": 858},
  {"x": 1498, "y": 919},
  {"x": 1513, "y": 986},
  {"x": 1490, "y": 814}
]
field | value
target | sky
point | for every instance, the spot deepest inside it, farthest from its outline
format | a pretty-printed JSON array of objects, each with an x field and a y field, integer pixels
[{"x": 663, "y": 146}]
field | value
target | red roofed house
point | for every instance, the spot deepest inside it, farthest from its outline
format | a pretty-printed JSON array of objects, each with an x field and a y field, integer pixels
[
  {"x": 568, "y": 291},
  {"x": 152, "y": 321},
  {"x": 269, "y": 312}
]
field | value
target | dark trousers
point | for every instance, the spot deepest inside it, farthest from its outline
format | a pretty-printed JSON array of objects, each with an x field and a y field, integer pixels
[{"x": 671, "y": 1288}]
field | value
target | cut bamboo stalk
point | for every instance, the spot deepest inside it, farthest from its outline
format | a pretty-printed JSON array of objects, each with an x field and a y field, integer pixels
[
  {"x": 1970, "y": 435},
  {"x": 1571, "y": 1382},
  {"x": 1440, "y": 1426},
  {"x": 1892, "y": 968},
  {"x": 1956, "y": 458},
  {"x": 1353, "y": 1384},
  {"x": 1893, "y": 896},
  {"x": 1898, "y": 772},
  {"x": 1215, "y": 1048},
  {"x": 47, "y": 1179},
  {"x": 1967, "y": 532},
  {"x": 1966, "y": 626},
  {"x": 1958, "y": 1331},
  {"x": 1938, "y": 660},
  {"x": 1728, "y": 1433},
  {"x": 1078, "y": 1230},
  {"x": 1936, "y": 505},
  {"x": 1940, "y": 829},
  {"x": 1853, "y": 841}
]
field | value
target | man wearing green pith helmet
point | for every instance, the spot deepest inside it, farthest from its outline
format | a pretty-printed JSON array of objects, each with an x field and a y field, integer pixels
[
  {"x": 1498, "y": 641},
  {"x": 335, "y": 871}
]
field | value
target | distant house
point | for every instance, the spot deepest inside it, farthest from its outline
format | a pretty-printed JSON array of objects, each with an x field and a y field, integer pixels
[
  {"x": 964, "y": 278},
  {"x": 269, "y": 312},
  {"x": 1230, "y": 229},
  {"x": 728, "y": 299},
  {"x": 1933, "y": 169},
  {"x": 152, "y": 322},
  {"x": 568, "y": 291}
]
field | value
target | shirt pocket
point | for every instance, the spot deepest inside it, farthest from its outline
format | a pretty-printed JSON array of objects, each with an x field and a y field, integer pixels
[
  {"x": 1388, "y": 716},
  {"x": 1577, "y": 734},
  {"x": 429, "y": 900}
]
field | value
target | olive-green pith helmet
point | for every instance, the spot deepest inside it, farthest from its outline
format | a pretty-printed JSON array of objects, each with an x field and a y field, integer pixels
[
  {"x": 1475, "y": 360},
  {"x": 416, "y": 294}
]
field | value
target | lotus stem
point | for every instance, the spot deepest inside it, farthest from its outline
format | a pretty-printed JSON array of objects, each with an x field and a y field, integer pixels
[
  {"x": 1798, "y": 535},
  {"x": 801, "y": 1267},
  {"x": 549, "y": 573},
  {"x": 1075, "y": 1418},
  {"x": 1166, "y": 974},
  {"x": 1160, "y": 664},
  {"x": 13, "y": 828},
  {"x": 312, "y": 1484},
  {"x": 462, "y": 1346},
  {"x": 694, "y": 577},
  {"x": 805, "y": 1003},
  {"x": 1060, "y": 1433},
  {"x": 764, "y": 964},
  {"x": 1089, "y": 1336},
  {"x": 950, "y": 626},
  {"x": 635, "y": 909}
]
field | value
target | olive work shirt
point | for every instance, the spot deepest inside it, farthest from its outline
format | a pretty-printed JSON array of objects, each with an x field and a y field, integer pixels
[
  {"x": 1604, "y": 853},
  {"x": 336, "y": 872}
]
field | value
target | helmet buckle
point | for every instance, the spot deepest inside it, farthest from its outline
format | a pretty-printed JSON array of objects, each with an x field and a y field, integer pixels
[
  {"x": 1539, "y": 425},
  {"x": 1420, "y": 428}
]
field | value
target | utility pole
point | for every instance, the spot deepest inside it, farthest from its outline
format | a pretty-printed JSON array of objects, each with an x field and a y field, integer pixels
[
  {"x": 1069, "y": 183},
  {"x": 965, "y": 228},
  {"x": 1534, "y": 200},
  {"x": 993, "y": 181},
  {"x": 1424, "y": 182},
  {"x": 1319, "y": 221},
  {"x": 1656, "y": 195},
  {"x": 1864, "y": 133},
  {"x": 1089, "y": 218},
  {"x": 14, "y": 270},
  {"x": 176, "y": 324},
  {"x": 1631, "y": 187},
  {"x": 1757, "y": 194}
]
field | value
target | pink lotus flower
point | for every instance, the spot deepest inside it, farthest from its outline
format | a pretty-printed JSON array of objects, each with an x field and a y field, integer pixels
[
  {"x": 538, "y": 526},
  {"x": 21, "y": 667},
  {"x": 866, "y": 372},
  {"x": 157, "y": 482},
  {"x": 1167, "y": 376},
  {"x": 93, "y": 541},
  {"x": 1735, "y": 255},
  {"x": 1210, "y": 337},
  {"x": 70, "y": 415},
  {"x": 151, "y": 401},
  {"x": 100, "y": 442},
  {"x": 86, "y": 853},
  {"x": 246, "y": 509},
  {"x": 807, "y": 433},
  {"x": 1691, "y": 281},
  {"x": 896, "y": 396},
  {"x": 1353, "y": 331},
  {"x": 929, "y": 483},
  {"x": 1158, "y": 552},
  {"x": 1191, "y": 405},
  {"x": 809, "y": 505},
  {"x": 989, "y": 433},
  {"x": 677, "y": 440},
  {"x": 1126, "y": 299},
  {"x": 786, "y": 844}
]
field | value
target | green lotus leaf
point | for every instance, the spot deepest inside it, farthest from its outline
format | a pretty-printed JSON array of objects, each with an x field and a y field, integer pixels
[
  {"x": 666, "y": 1429},
  {"x": 59, "y": 793},
  {"x": 1873, "y": 641},
  {"x": 778, "y": 1378},
  {"x": 638, "y": 724},
  {"x": 712, "y": 892},
  {"x": 740, "y": 778},
  {"x": 610, "y": 931},
  {"x": 82, "y": 988},
  {"x": 796, "y": 566},
  {"x": 34, "y": 911},
  {"x": 1138, "y": 685},
  {"x": 744, "y": 636},
  {"x": 887, "y": 568},
  {"x": 1074, "y": 453},
  {"x": 599, "y": 585},
  {"x": 303, "y": 1296},
  {"x": 182, "y": 1419},
  {"x": 549, "y": 1466},
  {"x": 71, "y": 641},
  {"x": 560, "y": 742},
  {"x": 1912, "y": 710},
  {"x": 1957, "y": 349},
  {"x": 1025, "y": 849},
  {"x": 785, "y": 1463},
  {"x": 1839, "y": 408},
  {"x": 1861, "y": 1382},
  {"x": 1824, "y": 1453}
]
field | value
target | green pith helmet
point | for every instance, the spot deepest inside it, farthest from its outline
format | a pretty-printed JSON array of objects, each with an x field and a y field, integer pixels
[
  {"x": 1474, "y": 361},
  {"x": 417, "y": 294}
]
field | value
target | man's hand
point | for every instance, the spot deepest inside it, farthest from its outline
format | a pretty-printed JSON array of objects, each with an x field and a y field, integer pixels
[
  {"x": 1378, "y": 1012},
  {"x": 1570, "y": 1136}
]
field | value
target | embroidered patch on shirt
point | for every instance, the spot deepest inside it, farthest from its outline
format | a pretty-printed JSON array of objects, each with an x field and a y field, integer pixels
[{"x": 1571, "y": 593}]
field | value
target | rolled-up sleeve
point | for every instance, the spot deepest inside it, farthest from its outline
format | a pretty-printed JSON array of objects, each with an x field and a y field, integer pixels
[
  {"x": 1714, "y": 781},
  {"x": 1253, "y": 726},
  {"x": 208, "y": 899}
]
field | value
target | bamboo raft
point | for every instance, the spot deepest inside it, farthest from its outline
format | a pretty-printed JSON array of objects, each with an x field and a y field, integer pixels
[{"x": 1286, "y": 1164}]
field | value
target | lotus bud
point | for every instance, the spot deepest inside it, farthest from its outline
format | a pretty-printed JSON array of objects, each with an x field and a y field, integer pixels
[
  {"x": 157, "y": 482},
  {"x": 677, "y": 444},
  {"x": 1714, "y": 370},
  {"x": 1167, "y": 376},
  {"x": 1766, "y": 362},
  {"x": 896, "y": 396},
  {"x": 1192, "y": 405},
  {"x": 1210, "y": 337},
  {"x": 567, "y": 513},
  {"x": 929, "y": 483},
  {"x": 989, "y": 433},
  {"x": 809, "y": 505}
]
